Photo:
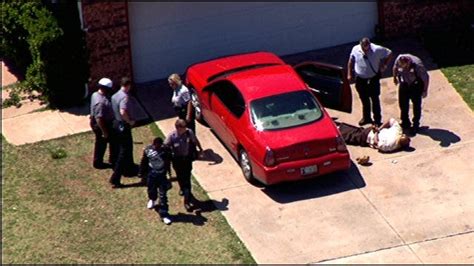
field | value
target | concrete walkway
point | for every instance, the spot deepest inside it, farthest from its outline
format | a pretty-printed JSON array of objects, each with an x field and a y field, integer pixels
[
  {"x": 30, "y": 124},
  {"x": 408, "y": 207}
]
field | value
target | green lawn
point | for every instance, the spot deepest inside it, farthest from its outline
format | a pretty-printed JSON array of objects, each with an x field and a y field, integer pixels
[
  {"x": 462, "y": 78},
  {"x": 64, "y": 211}
]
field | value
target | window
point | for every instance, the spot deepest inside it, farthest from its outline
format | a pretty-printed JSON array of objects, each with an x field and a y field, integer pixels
[
  {"x": 285, "y": 110},
  {"x": 230, "y": 97}
]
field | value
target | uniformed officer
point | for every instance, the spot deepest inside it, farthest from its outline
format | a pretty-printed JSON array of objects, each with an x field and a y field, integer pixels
[
  {"x": 368, "y": 61},
  {"x": 182, "y": 141},
  {"x": 181, "y": 101},
  {"x": 101, "y": 118},
  {"x": 411, "y": 74},
  {"x": 122, "y": 126}
]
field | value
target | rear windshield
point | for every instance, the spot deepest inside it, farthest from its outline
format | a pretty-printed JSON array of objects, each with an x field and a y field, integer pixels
[{"x": 284, "y": 110}]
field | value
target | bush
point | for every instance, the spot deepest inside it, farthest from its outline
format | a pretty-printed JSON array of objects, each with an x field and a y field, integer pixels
[{"x": 43, "y": 43}]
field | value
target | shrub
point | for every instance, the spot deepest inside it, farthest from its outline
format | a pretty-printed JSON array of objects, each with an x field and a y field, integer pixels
[{"x": 43, "y": 43}]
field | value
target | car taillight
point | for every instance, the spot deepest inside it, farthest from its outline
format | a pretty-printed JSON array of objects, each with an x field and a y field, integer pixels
[
  {"x": 340, "y": 144},
  {"x": 269, "y": 157}
]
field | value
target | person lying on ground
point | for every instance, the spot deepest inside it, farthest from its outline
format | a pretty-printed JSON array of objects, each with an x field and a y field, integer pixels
[{"x": 388, "y": 137}]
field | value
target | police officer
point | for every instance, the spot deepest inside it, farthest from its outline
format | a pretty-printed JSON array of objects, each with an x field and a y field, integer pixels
[
  {"x": 181, "y": 142},
  {"x": 181, "y": 101},
  {"x": 101, "y": 118},
  {"x": 122, "y": 126},
  {"x": 368, "y": 61},
  {"x": 153, "y": 166},
  {"x": 411, "y": 74}
]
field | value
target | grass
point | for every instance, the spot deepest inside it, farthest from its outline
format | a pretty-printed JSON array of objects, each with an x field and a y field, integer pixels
[
  {"x": 452, "y": 48},
  {"x": 462, "y": 78},
  {"x": 64, "y": 211}
]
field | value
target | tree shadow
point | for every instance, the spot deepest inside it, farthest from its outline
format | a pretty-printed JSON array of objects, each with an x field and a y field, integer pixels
[
  {"x": 445, "y": 137},
  {"x": 199, "y": 207},
  {"x": 210, "y": 156},
  {"x": 317, "y": 187}
]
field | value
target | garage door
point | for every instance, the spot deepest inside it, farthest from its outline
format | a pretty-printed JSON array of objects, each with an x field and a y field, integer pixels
[{"x": 167, "y": 37}]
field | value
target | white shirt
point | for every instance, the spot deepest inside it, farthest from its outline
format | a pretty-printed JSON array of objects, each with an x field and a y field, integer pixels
[
  {"x": 181, "y": 96},
  {"x": 361, "y": 65},
  {"x": 388, "y": 137}
]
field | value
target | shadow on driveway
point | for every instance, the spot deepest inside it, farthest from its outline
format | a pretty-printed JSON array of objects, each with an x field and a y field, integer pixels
[
  {"x": 318, "y": 187},
  {"x": 445, "y": 137}
]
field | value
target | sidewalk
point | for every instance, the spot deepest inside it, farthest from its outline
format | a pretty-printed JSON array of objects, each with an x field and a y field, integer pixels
[{"x": 29, "y": 123}]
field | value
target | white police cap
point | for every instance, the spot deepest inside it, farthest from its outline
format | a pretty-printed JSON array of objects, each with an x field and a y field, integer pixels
[{"x": 106, "y": 82}]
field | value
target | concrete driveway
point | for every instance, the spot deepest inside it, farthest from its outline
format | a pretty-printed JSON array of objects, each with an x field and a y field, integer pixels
[{"x": 409, "y": 207}]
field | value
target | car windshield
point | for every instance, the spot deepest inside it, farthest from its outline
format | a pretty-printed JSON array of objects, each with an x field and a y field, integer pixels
[{"x": 284, "y": 110}]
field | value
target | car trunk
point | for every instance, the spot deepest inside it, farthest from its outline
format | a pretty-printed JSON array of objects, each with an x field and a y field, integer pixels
[{"x": 302, "y": 142}]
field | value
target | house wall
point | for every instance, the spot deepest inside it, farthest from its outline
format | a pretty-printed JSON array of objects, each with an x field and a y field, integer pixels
[
  {"x": 408, "y": 17},
  {"x": 107, "y": 36},
  {"x": 108, "y": 41}
]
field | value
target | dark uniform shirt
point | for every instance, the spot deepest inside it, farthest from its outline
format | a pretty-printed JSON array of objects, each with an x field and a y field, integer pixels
[
  {"x": 180, "y": 145},
  {"x": 101, "y": 107},
  {"x": 120, "y": 101}
]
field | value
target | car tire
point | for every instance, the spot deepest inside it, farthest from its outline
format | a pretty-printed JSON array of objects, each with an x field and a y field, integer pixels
[
  {"x": 197, "y": 108},
  {"x": 246, "y": 167}
]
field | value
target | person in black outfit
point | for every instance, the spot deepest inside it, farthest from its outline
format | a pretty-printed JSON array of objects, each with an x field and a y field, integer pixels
[
  {"x": 101, "y": 118},
  {"x": 153, "y": 166}
]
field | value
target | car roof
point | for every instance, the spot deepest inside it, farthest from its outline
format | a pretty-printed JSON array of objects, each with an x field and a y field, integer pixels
[
  {"x": 266, "y": 81},
  {"x": 214, "y": 67}
]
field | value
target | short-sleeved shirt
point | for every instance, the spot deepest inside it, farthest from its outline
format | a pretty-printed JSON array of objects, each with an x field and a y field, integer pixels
[
  {"x": 388, "y": 137},
  {"x": 101, "y": 107},
  {"x": 156, "y": 158},
  {"x": 181, "y": 96},
  {"x": 180, "y": 145},
  {"x": 416, "y": 69},
  {"x": 120, "y": 101},
  {"x": 362, "y": 67}
]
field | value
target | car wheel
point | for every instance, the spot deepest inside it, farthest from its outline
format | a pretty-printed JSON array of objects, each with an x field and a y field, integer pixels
[
  {"x": 197, "y": 108},
  {"x": 246, "y": 167}
]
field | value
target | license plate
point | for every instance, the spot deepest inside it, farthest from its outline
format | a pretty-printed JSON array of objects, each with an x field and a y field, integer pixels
[{"x": 309, "y": 170}]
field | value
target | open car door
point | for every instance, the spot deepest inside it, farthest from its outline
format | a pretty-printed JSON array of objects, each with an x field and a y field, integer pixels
[{"x": 328, "y": 83}]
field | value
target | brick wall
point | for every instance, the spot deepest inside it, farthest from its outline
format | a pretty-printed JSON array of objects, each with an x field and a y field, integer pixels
[
  {"x": 107, "y": 36},
  {"x": 408, "y": 17}
]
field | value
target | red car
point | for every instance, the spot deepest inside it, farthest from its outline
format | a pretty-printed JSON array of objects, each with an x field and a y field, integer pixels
[{"x": 269, "y": 114}]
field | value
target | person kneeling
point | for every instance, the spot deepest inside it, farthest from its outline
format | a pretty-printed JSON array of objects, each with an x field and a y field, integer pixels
[{"x": 153, "y": 166}]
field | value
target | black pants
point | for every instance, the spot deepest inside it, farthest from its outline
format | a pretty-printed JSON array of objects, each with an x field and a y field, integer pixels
[
  {"x": 100, "y": 144},
  {"x": 369, "y": 93},
  {"x": 183, "y": 167},
  {"x": 182, "y": 113},
  {"x": 157, "y": 184},
  {"x": 124, "y": 144},
  {"x": 354, "y": 135},
  {"x": 406, "y": 93}
]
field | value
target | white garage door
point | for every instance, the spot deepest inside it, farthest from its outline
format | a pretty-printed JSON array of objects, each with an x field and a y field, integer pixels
[{"x": 167, "y": 37}]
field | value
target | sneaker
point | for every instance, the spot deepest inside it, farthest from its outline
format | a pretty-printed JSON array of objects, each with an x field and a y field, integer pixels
[
  {"x": 151, "y": 204},
  {"x": 166, "y": 220}
]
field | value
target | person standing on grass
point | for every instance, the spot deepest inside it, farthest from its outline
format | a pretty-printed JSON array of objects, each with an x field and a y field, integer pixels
[
  {"x": 368, "y": 61},
  {"x": 413, "y": 79},
  {"x": 182, "y": 143},
  {"x": 153, "y": 167},
  {"x": 122, "y": 125},
  {"x": 101, "y": 118},
  {"x": 181, "y": 101}
]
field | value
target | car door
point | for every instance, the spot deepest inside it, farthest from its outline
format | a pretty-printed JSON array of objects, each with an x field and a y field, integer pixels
[{"x": 328, "y": 83}]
